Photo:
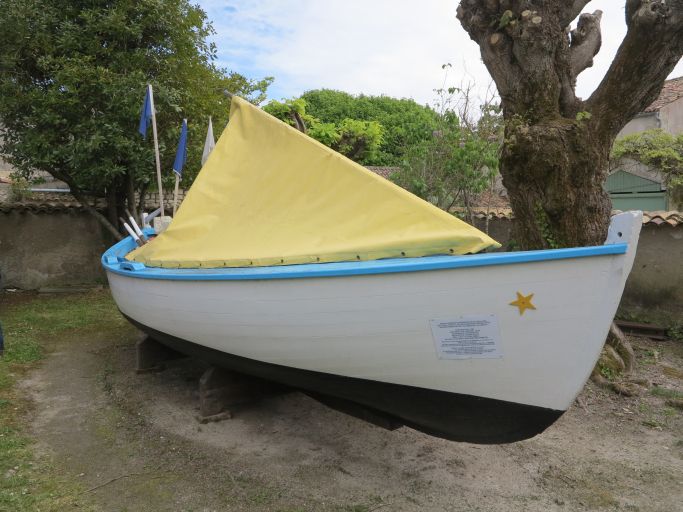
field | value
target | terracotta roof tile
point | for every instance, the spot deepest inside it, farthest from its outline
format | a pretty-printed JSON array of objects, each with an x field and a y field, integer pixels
[
  {"x": 672, "y": 90},
  {"x": 42, "y": 207},
  {"x": 672, "y": 218},
  {"x": 383, "y": 171}
]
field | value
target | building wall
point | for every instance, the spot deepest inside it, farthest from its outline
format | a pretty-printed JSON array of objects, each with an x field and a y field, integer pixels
[
  {"x": 640, "y": 123},
  {"x": 41, "y": 249},
  {"x": 671, "y": 117},
  {"x": 5, "y": 168},
  {"x": 657, "y": 276}
]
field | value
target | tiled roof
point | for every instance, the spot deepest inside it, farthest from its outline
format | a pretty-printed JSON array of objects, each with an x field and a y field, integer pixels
[
  {"x": 491, "y": 200},
  {"x": 672, "y": 90},
  {"x": 483, "y": 212},
  {"x": 384, "y": 172},
  {"x": 672, "y": 218},
  {"x": 42, "y": 207}
]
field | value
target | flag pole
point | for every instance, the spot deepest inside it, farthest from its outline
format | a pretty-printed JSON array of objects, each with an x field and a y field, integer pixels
[
  {"x": 180, "y": 158},
  {"x": 156, "y": 149},
  {"x": 175, "y": 192}
]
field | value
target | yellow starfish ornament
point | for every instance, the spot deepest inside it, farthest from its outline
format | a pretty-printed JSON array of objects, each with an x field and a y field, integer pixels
[{"x": 523, "y": 302}]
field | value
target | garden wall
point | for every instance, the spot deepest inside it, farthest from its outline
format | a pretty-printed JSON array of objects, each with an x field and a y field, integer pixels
[{"x": 46, "y": 246}]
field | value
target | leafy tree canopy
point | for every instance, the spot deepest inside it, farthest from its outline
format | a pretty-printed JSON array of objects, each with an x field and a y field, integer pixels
[
  {"x": 72, "y": 80},
  {"x": 404, "y": 121},
  {"x": 460, "y": 160},
  {"x": 655, "y": 148},
  {"x": 359, "y": 140}
]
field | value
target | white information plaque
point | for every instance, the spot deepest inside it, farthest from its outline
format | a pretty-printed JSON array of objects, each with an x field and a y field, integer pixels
[{"x": 467, "y": 337}]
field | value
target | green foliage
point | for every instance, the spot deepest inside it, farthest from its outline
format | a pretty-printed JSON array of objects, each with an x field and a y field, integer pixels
[
  {"x": 675, "y": 332},
  {"x": 359, "y": 140},
  {"x": 460, "y": 159},
  {"x": 20, "y": 189},
  {"x": 544, "y": 225},
  {"x": 73, "y": 80},
  {"x": 404, "y": 122},
  {"x": 657, "y": 149},
  {"x": 608, "y": 373},
  {"x": 284, "y": 110},
  {"x": 666, "y": 393},
  {"x": 583, "y": 116},
  {"x": 505, "y": 19},
  {"x": 356, "y": 139}
]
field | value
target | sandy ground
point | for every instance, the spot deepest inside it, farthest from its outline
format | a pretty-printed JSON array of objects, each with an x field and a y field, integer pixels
[{"x": 134, "y": 442}]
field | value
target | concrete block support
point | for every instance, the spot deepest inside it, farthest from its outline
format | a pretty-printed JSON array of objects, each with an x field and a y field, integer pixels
[{"x": 221, "y": 389}]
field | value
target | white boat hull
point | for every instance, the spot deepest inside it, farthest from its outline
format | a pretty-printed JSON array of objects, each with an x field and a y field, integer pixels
[{"x": 377, "y": 327}]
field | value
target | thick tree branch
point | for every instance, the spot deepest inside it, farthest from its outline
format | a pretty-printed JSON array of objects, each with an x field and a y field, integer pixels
[
  {"x": 298, "y": 121},
  {"x": 80, "y": 197},
  {"x": 572, "y": 10},
  {"x": 526, "y": 51},
  {"x": 651, "y": 49},
  {"x": 585, "y": 42}
]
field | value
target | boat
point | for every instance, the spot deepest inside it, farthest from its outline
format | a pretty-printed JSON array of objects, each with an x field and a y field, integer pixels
[{"x": 394, "y": 312}]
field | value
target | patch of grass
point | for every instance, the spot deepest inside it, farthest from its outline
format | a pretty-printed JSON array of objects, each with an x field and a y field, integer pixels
[
  {"x": 653, "y": 423},
  {"x": 675, "y": 332},
  {"x": 355, "y": 508},
  {"x": 669, "y": 412},
  {"x": 29, "y": 326},
  {"x": 650, "y": 356},
  {"x": 666, "y": 393},
  {"x": 644, "y": 408},
  {"x": 607, "y": 372}
]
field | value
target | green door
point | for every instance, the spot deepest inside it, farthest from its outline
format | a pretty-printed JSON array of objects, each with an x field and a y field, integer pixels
[{"x": 631, "y": 192}]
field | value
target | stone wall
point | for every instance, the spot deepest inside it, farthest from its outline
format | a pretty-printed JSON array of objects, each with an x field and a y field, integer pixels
[
  {"x": 657, "y": 276},
  {"x": 42, "y": 248}
]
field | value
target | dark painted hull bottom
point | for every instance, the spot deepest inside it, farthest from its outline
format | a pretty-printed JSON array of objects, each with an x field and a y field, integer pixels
[{"x": 451, "y": 416}]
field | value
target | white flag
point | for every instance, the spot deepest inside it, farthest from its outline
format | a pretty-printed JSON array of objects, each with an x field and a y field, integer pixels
[{"x": 209, "y": 143}]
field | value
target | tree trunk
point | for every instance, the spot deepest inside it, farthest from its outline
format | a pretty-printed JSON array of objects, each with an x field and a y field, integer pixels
[
  {"x": 81, "y": 198},
  {"x": 553, "y": 171},
  {"x": 555, "y": 154},
  {"x": 130, "y": 198}
]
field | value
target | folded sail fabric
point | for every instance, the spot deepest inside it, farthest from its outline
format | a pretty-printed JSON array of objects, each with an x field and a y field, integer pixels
[{"x": 270, "y": 195}]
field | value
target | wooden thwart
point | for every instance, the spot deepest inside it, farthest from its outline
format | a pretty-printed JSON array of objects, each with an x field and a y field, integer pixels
[{"x": 655, "y": 332}]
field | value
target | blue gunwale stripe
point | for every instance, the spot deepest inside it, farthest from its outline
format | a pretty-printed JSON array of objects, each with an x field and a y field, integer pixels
[{"x": 113, "y": 261}]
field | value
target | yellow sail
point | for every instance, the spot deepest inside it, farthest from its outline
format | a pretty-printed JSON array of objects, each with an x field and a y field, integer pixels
[{"x": 270, "y": 195}]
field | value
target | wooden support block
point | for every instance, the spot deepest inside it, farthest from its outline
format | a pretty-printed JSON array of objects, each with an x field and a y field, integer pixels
[
  {"x": 151, "y": 355},
  {"x": 220, "y": 389}
]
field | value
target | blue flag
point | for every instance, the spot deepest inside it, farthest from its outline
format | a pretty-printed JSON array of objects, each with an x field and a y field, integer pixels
[
  {"x": 181, "y": 154},
  {"x": 146, "y": 113}
]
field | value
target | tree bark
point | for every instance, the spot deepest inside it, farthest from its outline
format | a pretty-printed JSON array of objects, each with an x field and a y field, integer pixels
[
  {"x": 130, "y": 198},
  {"x": 556, "y": 191},
  {"x": 555, "y": 155}
]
